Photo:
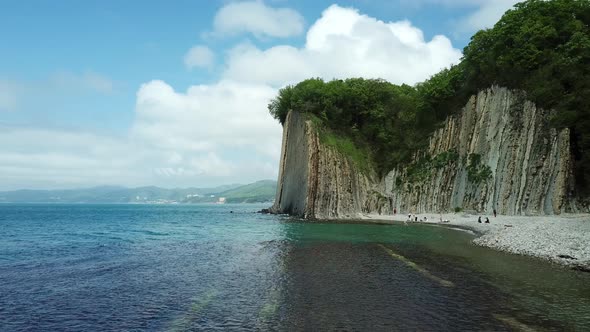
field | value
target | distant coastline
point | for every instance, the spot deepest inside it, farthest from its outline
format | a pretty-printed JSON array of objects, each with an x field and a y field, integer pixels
[{"x": 257, "y": 192}]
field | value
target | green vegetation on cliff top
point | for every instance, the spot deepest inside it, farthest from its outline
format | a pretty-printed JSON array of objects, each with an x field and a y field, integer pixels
[{"x": 540, "y": 47}]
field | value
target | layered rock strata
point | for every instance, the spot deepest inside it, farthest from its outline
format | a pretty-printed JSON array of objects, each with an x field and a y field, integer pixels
[
  {"x": 318, "y": 182},
  {"x": 499, "y": 152}
]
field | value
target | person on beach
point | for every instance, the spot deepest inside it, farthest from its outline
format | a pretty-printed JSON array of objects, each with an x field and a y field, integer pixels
[
  {"x": 487, "y": 220},
  {"x": 494, "y": 213},
  {"x": 394, "y": 211},
  {"x": 479, "y": 219}
]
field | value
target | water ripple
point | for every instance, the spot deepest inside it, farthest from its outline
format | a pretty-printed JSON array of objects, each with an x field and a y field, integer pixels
[{"x": 163, "y": 268}]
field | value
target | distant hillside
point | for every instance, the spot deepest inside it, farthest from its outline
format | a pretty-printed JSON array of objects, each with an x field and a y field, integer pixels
[{"x": 256, "y": 192}]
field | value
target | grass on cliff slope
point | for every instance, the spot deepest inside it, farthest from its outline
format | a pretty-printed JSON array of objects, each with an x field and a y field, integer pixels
[{"x": 360, "y": 157}]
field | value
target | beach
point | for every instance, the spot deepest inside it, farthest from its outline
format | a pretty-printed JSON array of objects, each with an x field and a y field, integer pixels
[{"x": 562, "y": 239}]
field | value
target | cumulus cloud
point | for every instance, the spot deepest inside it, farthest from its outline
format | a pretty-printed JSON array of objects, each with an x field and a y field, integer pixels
[
  {"x": 199, "y": 57},
  {"x": 207, "y": 117},
  {"x": 42, "y": 158},
  {"x": 344, "y": 43},
  {"x": 208, "y": 135},
  {"x": 221, "y": 132},
  {"x": 259, "y": 19}
]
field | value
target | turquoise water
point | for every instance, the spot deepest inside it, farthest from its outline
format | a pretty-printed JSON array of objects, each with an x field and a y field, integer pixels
[{"x": 202, "y": 267}]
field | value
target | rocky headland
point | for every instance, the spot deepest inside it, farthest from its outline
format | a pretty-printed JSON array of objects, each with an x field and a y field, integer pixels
[{"x": 499, "y": 152}]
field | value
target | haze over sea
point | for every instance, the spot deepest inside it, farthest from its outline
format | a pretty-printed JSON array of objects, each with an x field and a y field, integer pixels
[{"x": 224, "y": 267}]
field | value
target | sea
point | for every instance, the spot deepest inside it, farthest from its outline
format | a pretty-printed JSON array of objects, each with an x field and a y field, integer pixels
[{"x": 85, "y": 267}]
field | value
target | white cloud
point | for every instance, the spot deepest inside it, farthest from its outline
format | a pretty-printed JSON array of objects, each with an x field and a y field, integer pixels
[
  {"x": 221, "y": 132},
  {"x": 199, "y": 57},
  {"x": 53, "y": 158},
  {"x": 257, "y": 18},
  {"x": 209, "y": 135},
  {"x": 207, "y": 117},
  {"x": 344, "y": 43}
]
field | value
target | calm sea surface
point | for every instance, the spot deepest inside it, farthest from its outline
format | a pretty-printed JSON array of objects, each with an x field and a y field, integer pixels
[{"x": 200, "y": 267}]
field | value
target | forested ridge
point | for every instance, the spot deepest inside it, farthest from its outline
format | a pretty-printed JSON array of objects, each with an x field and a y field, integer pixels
[{"x": 540, "y": 47}]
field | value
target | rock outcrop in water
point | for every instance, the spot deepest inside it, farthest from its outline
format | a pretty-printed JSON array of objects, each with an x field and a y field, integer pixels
[{"x": 499, "y": 153}]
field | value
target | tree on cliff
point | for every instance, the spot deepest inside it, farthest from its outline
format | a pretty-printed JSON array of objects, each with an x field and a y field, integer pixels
[
  {"x": 541, "y": 47},
  {"x": 387, "y": 121}
]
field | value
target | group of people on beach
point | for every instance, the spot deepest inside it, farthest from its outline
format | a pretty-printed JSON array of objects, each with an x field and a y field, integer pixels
[
  {"x": 487, "y": 221},
  {"x": 413, "y": 217}
]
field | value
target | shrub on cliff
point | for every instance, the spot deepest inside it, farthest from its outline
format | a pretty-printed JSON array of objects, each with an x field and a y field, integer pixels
[
  {"x": 386, "y": 119},
  {"x": 541, "y": 47}
]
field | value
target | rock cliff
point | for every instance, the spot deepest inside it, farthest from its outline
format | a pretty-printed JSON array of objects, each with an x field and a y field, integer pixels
[
  {"x": 318, "y": 182},
  {"x": 498, "y": 152}
]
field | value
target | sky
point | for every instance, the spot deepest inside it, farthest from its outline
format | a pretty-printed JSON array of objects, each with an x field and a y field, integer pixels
[{"x": 175, "y": 93}]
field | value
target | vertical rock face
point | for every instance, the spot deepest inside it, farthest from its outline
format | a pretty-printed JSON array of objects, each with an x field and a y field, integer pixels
[
  {"x": 318, "y": 182},
  {"x": 292, "y": 184},
  {"x": 498, "y": 153}
]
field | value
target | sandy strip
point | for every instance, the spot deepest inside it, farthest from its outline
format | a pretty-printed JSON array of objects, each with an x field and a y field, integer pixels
[{"x": 564, "y": 239}]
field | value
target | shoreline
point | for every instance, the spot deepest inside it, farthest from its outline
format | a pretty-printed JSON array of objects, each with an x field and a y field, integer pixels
[{"x": 562, "y": 239}]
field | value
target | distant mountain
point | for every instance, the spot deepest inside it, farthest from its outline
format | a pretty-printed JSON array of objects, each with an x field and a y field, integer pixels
[
  {"x": 261, "y": 191},
  {"x": 255, "y": 192}
]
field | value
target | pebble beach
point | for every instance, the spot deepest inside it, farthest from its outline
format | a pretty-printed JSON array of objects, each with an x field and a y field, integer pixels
[{"x": 562, "y": 239}]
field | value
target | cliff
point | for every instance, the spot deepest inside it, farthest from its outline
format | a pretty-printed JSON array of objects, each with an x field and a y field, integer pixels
[
  {"x": 497, "y": 152},
  {"x": 318, "y": 182}
]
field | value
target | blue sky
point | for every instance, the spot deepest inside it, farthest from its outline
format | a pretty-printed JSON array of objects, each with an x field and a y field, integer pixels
[{"x": 109, "y": 92}]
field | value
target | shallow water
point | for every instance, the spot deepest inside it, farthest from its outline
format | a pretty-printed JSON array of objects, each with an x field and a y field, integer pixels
[{"x": 200, "y": 267}]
